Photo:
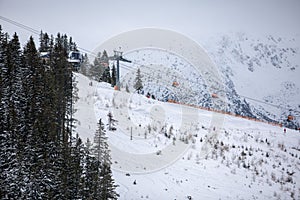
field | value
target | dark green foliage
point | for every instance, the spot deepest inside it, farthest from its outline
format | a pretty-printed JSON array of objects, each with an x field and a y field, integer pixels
[
  {"x": 44, "y": 42},
  {"x": 107, "y": 183},
  {"x": 113, "y": 76},
  {"x": 138, "y": 81},
  {"x": 101, "y": 153},
  {"x": 39, "y": 156},
  {"x": 106, "y": 75},
  {"x": 85, "y": 66},
  {"x": 100, "y": 70}
]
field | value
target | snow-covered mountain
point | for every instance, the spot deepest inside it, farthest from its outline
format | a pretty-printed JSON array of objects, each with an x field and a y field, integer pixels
[
  {"x": 260, "y": 76},
  {"x": 263, "y": 68},
  {"x": 163, "y": 150}
]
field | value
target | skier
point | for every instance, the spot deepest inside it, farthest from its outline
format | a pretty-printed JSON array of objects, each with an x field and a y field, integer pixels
[{"x": 284, "y": 130}]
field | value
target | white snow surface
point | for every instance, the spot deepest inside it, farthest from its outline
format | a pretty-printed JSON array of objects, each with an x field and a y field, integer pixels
[{"x": 245, "y": 160}]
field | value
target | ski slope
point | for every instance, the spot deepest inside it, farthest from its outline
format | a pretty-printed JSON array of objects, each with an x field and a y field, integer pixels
[{"x": 220, "y": 157}]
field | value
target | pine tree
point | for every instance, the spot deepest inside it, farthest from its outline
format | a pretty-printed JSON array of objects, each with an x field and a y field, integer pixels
[
  {"x": 111, "y": 122},
  {"x": 106, "y": 75},
  {"x": 127, "y": 88},
  {"x": 91, "y": 182},
  {"x": 9, "y": 169},
  {"x": 138, "y": 82},
  {"x": 107, "y": 184},
  {"x": 101, "y": 153},
  {"x": 104, "y": 57},
  {"x": 113, "y": 76},
  {"x": 96, "y": 69},
  {"x": 84, "y": 68},
  {"x": 77, "y": 158},
  {"x": 44, "y": 42},
  {"x": 99, "y": 142},
  {"x": 39, "y": 158},
  {"x": 72, "y": 45},
  {"x": 34, "y": 148}
]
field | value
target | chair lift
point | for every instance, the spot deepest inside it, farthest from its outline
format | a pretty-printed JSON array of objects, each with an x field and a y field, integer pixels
[
  {"x": 214, "y": 95},
  {"x": 290, "y": 118},
  {"x": 75, "y": 58}
]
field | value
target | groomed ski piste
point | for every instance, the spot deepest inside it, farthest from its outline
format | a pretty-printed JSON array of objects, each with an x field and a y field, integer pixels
[{"x": 195, "y": 159}]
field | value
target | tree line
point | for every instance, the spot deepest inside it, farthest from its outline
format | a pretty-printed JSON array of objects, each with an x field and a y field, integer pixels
[
  {"x": 40, "y": 158},
  {"x": 100, "y": 69}
]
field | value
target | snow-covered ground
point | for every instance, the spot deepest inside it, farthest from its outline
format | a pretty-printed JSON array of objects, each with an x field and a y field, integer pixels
[
  {"x": 207, "y": 155},
  {"x": 258, "y": 75}
]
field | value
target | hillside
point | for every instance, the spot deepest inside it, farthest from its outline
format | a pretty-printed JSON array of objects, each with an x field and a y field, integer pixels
[
  {"x": 204, "y": 155},
  {"x": 265, "y": 68},
  {"x": 259, "y": 76}
]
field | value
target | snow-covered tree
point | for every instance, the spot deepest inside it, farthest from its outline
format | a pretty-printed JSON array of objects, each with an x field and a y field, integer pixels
[
  {"x": 111, "y": 122},
  {"x": 106, "y": 77},
  {"x": 85, "y": 66},
  {"x": 102, "y": 154},
  {"x": 113, "y": 76},
  {"x": 138, "y": 81}
]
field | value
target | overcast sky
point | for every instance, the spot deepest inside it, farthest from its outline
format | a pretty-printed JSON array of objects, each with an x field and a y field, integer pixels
[{"x": 92, "y": 22}]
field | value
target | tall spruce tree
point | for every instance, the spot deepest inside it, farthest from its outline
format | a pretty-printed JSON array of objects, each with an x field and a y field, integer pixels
[
  {"x": 138, "y": 81},
  {"x": 85, "y": 66},
  {"x": 113, "y": 76},
  {"x": 96, "y": 69},
  {"x": 106, "y": 75},
  {"x": 44, "y": 42},
  {"x": 102, "y": 154},
  {"x": 9, "y": 168}
]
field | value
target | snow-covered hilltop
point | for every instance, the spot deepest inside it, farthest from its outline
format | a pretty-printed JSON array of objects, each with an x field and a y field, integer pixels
[{"x": 162, "y": 150}]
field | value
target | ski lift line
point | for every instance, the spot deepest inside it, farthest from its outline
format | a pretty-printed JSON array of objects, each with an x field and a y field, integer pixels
[
  {"x": 196, "y": 83},
  {"x": 209, "y": 70},
  {"x": 28, "y": 28},
  {"x": 166, "y": 74},
  {"x": 246, "y": 97},
  {"x": 250, "y": 98},
  {"x": 34, "y": 31},
  {"x": 161, "y": 80},
  {"x": 260, "y": 101}
]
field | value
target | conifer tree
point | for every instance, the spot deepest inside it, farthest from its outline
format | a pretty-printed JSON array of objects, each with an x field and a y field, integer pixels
[
  {"x": 138, "y": 81},
  {"x": 111, "y": 122},
  {"x": 106, "y": 75},
  {"x": 99, "y": 142},
  {"x": 107, "y": 183},
  {"x": 44, "y": 42},
  {"x": 102, "y": 154},
  {"x": 91, "y": 185},
  {"x": 104, "y": 57},
  {"x": 113, "y": 76},
  {"x": 39, "y": 157},
  {"x": 84, "y": 68},
  {"x": 9, "y": 168},
  {"x": 97, "y": 69}
]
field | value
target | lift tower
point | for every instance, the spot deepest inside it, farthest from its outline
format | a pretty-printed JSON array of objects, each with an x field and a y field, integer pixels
[{"x": 118, "y": 56}]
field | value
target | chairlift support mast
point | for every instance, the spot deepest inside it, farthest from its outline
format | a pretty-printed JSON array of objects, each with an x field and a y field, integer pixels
[{"x": 118, "y": 56}]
